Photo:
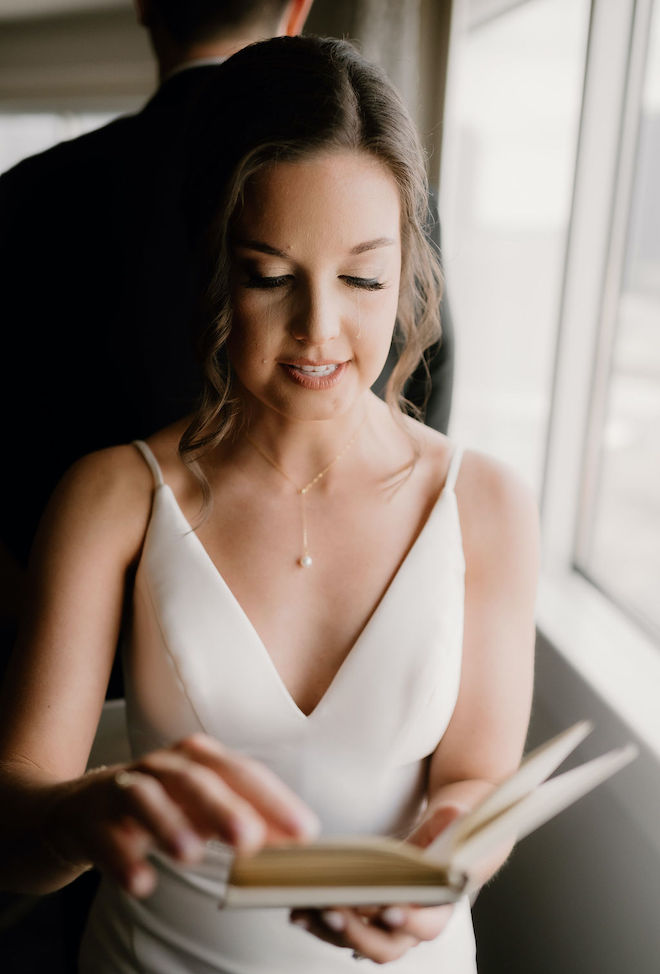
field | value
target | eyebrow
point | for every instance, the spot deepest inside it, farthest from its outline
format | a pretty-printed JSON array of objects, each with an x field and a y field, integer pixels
[
  {"x": 372, "y": 245},
  {"x": 360, "y": 248},
  {"x": 263, "y": 248}
]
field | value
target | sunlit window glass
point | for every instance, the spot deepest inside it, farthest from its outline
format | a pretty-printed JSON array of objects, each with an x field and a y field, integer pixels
[
  {"x": 511, "y": 148},
  {"x": 621, "y": 544}
]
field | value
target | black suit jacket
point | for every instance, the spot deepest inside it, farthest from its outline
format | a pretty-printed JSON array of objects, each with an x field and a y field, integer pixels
[{"x": 98, "y": 294}]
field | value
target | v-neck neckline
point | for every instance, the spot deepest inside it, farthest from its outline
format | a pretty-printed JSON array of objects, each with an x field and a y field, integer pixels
[
  {"x": 447, "y": 489},
  {"x": 350, "y": 656}
]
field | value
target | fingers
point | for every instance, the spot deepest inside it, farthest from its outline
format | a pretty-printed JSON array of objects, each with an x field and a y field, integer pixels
[
  {"x": 210, "y": 806},
  {"x": 380, "y": 945},
  {"x": 382, "y": 934},
  {"x": 346, "y": 928},
  {"x": 435, "y": 823},
  {"x": 121, "y": 850},
  {"x": 174, "y": 800},
  {"x": 200, "y": 789},
  {"x": 144, "y": 798},
  {"x": 124, "y": 823},
  {"x": 284, "y": 813},
  {"x": 423, "y": 923}
]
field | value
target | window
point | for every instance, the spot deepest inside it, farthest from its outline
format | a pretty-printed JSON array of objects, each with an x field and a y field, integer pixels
[
  {"x": 550, "y": 202},
  {"x": 506, "y": 198},
  {"x": 619, "y": 537}
]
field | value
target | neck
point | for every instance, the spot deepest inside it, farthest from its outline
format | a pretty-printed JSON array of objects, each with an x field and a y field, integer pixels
[
  {"x": 303, "y": 448},
  {"x": 172, "y": 58}
]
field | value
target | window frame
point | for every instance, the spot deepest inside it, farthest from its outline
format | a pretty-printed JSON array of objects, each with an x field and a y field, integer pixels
[
  {"x": 583, "y": 623},
  {"x": 612, "y": 289},
  {"x": 586, "y": 627}
]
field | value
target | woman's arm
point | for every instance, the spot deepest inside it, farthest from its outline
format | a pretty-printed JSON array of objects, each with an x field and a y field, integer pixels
[
  {"x": 485, "y": 737},
  {"x": 55, "y": 685},
  {"x": 54, "y": 819}
]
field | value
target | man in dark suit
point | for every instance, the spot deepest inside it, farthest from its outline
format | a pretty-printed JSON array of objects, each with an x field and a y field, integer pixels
[
  {"x": 98, "y": 287},
  {"x": 97, "y": 278},
  {"x": 96, "y": 274}
]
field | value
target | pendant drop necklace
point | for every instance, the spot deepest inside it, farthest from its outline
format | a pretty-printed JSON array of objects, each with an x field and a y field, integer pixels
[{"x": 305, "y": 560}]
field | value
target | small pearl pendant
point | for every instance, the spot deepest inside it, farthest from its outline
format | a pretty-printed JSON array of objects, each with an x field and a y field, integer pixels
[{"x": 305, "y": 561}]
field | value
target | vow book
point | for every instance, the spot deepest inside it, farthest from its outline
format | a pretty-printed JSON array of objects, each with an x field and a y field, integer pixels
[{"x": 373, "y": 870}]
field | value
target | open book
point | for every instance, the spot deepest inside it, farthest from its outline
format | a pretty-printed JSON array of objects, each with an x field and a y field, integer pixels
[{"x": 372, "y": 870}]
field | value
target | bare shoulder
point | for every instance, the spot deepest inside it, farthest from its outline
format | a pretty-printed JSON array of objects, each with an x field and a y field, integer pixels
[
  {"x": 498, "y": 511},
  {"x": 165, "y": 447},
  {"x": 482, "y": 480},
  {"x": 489, "y": 492},
  {"x": 107, "y": 495},
  {"x": 114, "y": 479}
]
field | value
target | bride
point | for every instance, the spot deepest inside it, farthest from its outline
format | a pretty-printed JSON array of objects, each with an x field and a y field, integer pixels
[{"x": 326, "y": 610}]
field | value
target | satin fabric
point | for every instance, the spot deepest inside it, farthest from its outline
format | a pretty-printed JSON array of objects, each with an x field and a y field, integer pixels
[{"x": 193, "y": 661}]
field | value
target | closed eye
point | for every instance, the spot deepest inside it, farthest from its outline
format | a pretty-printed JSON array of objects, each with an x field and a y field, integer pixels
[
  {"x": 365, "y": 283},
  {"x": 257, "y": 281}
]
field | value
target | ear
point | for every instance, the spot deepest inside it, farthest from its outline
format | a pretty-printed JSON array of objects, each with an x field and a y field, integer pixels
[{"x": 294, "y": 17}]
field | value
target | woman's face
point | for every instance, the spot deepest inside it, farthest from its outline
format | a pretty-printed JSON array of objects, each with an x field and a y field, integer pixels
[{"x": 316, "y": 262}]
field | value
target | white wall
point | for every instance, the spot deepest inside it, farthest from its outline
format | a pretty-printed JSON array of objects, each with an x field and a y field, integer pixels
[{"x": 81, "y": 62}]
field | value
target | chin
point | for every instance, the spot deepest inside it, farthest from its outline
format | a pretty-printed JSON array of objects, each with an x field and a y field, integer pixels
[{"x": 314, "y": 407}]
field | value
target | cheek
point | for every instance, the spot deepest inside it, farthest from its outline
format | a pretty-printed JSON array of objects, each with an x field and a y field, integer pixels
[
  {"x": 374, "y": 317},
  {"x": 252, "y": 329}
]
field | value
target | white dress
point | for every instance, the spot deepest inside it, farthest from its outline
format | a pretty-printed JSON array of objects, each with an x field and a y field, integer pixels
[{"x": 193, "y": 661}]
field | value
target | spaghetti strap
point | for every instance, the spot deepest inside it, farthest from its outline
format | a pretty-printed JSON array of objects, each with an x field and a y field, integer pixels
[
  {"x": 454, "y": 467},
  {"x": 151, "y": 461}
]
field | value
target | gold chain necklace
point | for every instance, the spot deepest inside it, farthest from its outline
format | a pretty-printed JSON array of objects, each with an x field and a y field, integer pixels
[{"x": 305, "y": 560}]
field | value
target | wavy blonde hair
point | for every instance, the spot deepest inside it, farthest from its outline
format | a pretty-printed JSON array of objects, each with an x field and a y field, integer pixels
[{"x": 282, "y": 100}]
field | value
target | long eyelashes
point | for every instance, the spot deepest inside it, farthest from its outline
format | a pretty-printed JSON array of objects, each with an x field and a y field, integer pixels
[
  {"x": 266, "y": 283},
  {"x": 364, "y": 283}
]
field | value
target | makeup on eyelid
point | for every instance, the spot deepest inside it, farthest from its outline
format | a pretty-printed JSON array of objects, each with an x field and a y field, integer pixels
[
  {"x": 316, "y": 258},
  {"x": 259, "y": 279},
  {"x": 266, "y": 274}
]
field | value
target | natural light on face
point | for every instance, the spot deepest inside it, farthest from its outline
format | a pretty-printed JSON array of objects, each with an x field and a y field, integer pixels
[{"x": 315, "y": 282}]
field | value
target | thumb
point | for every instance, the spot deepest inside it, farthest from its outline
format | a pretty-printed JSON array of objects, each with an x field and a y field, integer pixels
[{"x": 435, "y": 822}]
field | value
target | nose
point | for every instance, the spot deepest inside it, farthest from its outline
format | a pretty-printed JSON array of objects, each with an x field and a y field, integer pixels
[{"x": 317, "y": 317}]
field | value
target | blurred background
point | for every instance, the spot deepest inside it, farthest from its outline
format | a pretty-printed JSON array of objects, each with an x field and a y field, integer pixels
[{"x": 541, "y": 120}]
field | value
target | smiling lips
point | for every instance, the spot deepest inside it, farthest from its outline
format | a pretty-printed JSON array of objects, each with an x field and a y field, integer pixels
[{"x": 322, "y": 375}]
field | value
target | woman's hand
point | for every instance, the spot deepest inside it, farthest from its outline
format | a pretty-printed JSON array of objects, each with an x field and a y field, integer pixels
[
  {"x": 385, "y": 933},
  {"x": 382, "y": 934},
  {"x": 172, "y": 800}
]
